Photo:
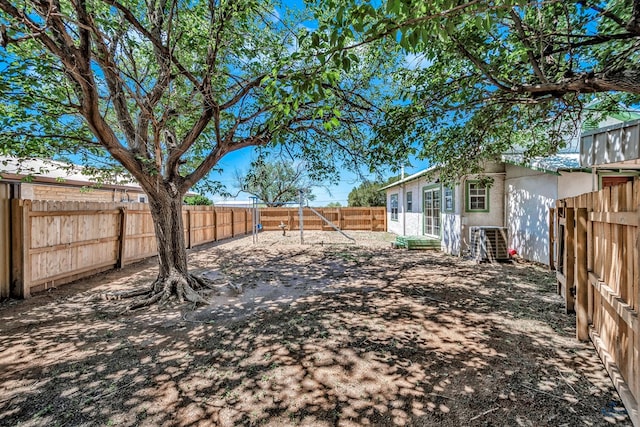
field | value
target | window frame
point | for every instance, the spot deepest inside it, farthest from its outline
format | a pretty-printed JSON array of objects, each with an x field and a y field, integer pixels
[
  {"x": 445, "y": 189},
  {"x": 468, "y": 196},
  {"x": 393, "y": 199},
  {"x": 409, "y": 201}
]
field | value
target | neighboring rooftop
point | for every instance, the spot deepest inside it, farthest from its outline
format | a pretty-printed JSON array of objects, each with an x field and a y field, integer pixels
[
  {"x": 47, "y": 170},
  {"x": 556, "y": 163}
]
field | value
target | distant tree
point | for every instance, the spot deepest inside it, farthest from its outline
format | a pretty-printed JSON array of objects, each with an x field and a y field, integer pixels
[
  {"x": 197, "y": 200},
  {"x": 368, "y": 193},
  {"x": 334, "y": 205},
  {"x": 276, "y": 182}
]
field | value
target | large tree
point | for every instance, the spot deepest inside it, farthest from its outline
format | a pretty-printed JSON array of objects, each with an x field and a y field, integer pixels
[
  {"x": 487, "y": 77},
  {"x": 167, "y": 88}
]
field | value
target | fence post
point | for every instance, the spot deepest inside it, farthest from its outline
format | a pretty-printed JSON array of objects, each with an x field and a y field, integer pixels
[
  {"x": 215, "y": 225},
  {"x": 189, "y": 229},
  {"x": 570, "y": 257},
  {"x": 385, "y": 219},
  {"x": 20, "y": 245},
  {"x": 581, "y": 278},
  {"x": 371, "y": 219},
  {"x": 301, "y": 218},
  {"x": 233, "y": 224},
  {"x": 122, "y": 243}
]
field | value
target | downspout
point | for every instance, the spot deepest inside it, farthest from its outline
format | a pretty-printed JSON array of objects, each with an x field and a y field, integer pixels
[{"x": 404, "y": 203}]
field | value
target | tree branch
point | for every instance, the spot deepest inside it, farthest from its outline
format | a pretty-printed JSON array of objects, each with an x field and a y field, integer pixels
[{"x": 523, "y": 37}]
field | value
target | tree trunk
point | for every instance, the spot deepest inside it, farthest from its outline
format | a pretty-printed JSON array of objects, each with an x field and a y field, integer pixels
[{"x": 174, "y": 280}]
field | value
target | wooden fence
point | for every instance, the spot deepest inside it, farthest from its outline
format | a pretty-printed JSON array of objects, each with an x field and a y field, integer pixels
[
  {"x": 56, "y": 242},
  {"x": 597, "y": 242},
  {"x": 366, "y": 219}
]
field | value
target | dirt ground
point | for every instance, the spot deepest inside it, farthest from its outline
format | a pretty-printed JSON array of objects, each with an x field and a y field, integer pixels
[{"x": 329, "y": 333}]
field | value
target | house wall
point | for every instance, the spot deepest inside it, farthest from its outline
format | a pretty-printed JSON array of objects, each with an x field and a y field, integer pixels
[
  {"x": 454, "y": 225},
  {"x": 571, "y": 184},
  {"x": 408, "y": 223},
  {"x": 496, "y": 215},
  {"x": 530, "y": 194},
  {"x": 451, "y": 239},
  {"x": 35, "y": 191}
]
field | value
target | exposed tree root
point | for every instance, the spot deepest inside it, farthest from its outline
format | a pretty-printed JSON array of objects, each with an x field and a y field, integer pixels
[
  {"x": 163, "y": 289},
  {"x": 110, "y": 296}
]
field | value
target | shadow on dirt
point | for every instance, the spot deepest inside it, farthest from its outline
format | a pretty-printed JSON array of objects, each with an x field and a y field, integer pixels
[{"x": 317, "y": 336}]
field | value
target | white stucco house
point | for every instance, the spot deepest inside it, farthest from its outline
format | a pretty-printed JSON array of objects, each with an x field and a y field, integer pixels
[
  {"x": 517, "y": 201},
  {"x": 419, "y": 205}
]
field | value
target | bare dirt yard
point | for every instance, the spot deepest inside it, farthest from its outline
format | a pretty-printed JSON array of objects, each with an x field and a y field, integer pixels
[{"x": 328, "y": 333}]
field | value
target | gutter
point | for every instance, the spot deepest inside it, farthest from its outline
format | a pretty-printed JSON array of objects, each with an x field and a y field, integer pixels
[{"x": 15, "y": 178}]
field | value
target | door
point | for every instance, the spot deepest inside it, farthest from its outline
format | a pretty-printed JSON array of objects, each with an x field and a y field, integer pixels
[{"x": 432, "y": 212}]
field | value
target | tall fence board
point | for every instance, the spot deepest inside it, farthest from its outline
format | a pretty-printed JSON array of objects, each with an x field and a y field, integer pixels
[
  {"x": 56, "y": 242},
  {"x": 597, "y": 247}
]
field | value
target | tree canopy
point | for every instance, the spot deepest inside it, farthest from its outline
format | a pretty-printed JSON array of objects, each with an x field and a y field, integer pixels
[
  {"x": 276, "y": 182},
  {"x": 488, "y": 77},
  {"x": 166, "y": 89},
  {"x": 368, "y": 194},
  {"x": 197, "y": 200}
]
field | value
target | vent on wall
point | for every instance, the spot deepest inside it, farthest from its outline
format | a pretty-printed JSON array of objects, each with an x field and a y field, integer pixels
[{"x": 489, "y": 244}]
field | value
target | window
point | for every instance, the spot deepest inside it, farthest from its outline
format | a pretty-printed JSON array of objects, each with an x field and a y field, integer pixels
[
  {"x": 477, "y": 197},
  {"x": 409, "y": 201},
  {"x": 394, "y": 207},
  {"x": 142, "y": 199},
  {"x": 447, "y": 205}
]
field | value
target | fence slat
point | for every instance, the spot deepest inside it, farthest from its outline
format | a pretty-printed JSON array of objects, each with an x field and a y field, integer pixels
[{"x": 581, "y": 276}]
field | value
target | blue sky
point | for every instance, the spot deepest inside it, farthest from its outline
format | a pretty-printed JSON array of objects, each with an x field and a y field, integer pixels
[
  {"x": 335, "y": 193},
  {"x": 241, "y": 159}
]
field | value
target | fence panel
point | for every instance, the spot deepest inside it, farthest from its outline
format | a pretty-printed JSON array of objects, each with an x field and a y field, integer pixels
[
  {"x": 224, "y": 224},
  {"x": 356, "y": 219},
  {"x": 605, "y": 276},
  {"x": 54, "y": 242},
  {"x": 202, "y": 224},
  {"x": 140, "y": 236}
]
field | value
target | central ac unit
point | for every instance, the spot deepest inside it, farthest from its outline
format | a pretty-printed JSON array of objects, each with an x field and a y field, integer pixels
[{"x": 489, "y": 244}]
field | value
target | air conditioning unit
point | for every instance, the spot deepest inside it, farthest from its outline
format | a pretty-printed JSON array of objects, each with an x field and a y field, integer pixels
[{"x": 489, "y": 244}]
